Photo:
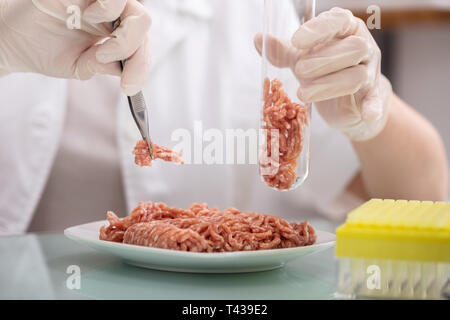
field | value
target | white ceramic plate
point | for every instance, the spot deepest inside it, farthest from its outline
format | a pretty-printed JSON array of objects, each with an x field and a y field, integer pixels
[{"x": 179, "y": 261}]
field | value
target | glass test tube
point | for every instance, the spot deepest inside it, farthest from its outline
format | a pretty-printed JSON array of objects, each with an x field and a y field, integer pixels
[{"x": 285, "y": 120}]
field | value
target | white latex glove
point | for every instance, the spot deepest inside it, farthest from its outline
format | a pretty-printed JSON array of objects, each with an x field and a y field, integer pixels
[
  {"x": 337, "y": 62},
  {"x": 35, "y": 38}
]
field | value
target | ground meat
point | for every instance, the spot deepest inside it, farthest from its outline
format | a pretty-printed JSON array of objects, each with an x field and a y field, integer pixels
[
  {"x": 288, "y": 120},
  {"x": 142, "y": 154},
  {"x": 203, "y": 229},
  {"x": 163, "y": 235}
]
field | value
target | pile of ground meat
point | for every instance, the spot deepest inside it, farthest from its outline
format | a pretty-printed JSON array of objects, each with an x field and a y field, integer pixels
[
  {"x": 203, "y": 229},
  {"x": 288, "y": 119},
  {"x": 142, "y": 154}
]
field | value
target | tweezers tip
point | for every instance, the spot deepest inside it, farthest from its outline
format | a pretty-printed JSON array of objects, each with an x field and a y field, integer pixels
[{"x": 150, "y": 148}]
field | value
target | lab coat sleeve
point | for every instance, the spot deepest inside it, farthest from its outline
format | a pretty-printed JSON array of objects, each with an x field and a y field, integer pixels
[{"x": 30, "y": 130}]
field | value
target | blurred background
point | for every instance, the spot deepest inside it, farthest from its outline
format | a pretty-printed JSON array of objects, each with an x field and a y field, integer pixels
[{"x": 415, "y": 42}]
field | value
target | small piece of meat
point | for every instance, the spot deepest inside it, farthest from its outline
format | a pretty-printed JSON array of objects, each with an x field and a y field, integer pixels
[
  {"x": 142, "y": 154},
  {"x": 203, "y": 229},
  {"x": 288, "y": 119}
]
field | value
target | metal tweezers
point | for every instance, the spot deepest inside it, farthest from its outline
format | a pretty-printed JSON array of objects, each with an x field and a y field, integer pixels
[{"x": 138, "y": 108}]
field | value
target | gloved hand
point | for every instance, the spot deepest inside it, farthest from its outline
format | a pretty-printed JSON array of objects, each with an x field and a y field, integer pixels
[
  {"x": 337, "y": 63},
  {"x": 35, "y": 38}
]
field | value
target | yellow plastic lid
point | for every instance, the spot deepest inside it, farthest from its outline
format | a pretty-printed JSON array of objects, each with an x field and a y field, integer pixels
[{"x": 389, "y": 229}]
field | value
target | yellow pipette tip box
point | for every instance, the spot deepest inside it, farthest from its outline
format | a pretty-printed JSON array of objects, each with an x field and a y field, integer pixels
[{"x": 395, "y": 249}]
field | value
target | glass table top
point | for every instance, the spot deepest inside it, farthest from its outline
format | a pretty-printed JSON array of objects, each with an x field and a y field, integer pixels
[{"x": 41, "y": 266}]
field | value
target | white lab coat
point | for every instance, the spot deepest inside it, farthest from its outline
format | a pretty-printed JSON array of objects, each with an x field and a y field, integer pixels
[{"x": 204, "y": 68}]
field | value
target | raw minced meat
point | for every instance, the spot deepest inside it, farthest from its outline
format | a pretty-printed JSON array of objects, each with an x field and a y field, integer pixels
[
  {"x": 142, "y": 154},
  {"x": 203, "y": 229},
  {"x": 287, "y": 119}
]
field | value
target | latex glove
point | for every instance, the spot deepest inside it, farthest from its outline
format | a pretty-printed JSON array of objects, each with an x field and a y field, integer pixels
[
  {"x": 35, "y": 38},
  {"x": 337, "y": 62}
]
